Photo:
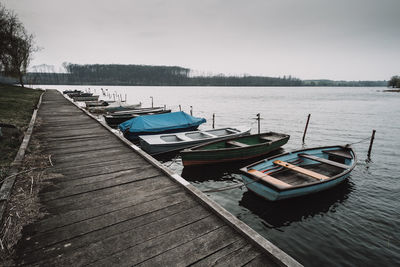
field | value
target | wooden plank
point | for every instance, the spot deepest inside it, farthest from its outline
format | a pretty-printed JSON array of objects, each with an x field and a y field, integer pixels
[
  {"x": 200, "y": 247},
  {"x": 265, "y": 138},
  {"x": 106, "y": 153},
  {"x": 105, "y": 205},
  {"x": 235, "y": 143},
  {"x": 111, "y": 156},
  {"x": 261, "y": 260},
  {"x": 83, "y": 148},
  {"x": 298, "y": 169},
  {"x": 140, "y": 174},
  {"x": 70, "y": 132},
  {"x": 68, "y": 232},
  {"x": 70, "y": 245},
  {"x": 269, "y": 179},
  {"x": 95, "y": 168},
  {"x": 69, "y": 181},
  {"x": 150, "y": 248},
  {"x": 340, "y": 153},
  {"x": 87, "y": 197},
  {"x": 218, "y": 256},
  {"x": 137, "y": 239},
  {"x": 326, "y": 161},
  {"x": 239, "y": 257}
]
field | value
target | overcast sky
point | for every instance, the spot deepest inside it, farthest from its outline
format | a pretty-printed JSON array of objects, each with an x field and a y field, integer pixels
[{"x": 333, "y": 39}]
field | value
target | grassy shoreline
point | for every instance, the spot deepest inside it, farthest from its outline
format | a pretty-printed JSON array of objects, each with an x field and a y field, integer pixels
[{"x": 16, "y": 108}]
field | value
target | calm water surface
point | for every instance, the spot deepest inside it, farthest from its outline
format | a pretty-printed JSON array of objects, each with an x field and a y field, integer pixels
[{"x": 356, "y": 223}]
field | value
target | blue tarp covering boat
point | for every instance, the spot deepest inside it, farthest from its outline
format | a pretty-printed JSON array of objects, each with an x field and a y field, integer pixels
[{"x": 160, "y": 123}]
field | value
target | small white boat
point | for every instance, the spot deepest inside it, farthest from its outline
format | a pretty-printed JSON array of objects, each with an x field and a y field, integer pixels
[
  {"x": 114, "y": 107},
  {"x": 162, "y": 143},
  {"x": 119, "y": 106}
]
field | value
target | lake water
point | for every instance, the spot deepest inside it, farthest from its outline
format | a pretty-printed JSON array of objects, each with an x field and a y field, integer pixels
[{"x": 356, "y": 223}]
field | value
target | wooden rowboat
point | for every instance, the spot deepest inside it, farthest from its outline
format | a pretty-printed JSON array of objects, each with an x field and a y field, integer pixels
[
  {"x": 229, "y": 150},
  {"x": 86, "y": 98},
  {"x": 162, "y": 143},
  {"x": 300, "y": 172},
  {"x": 119, "y": 106}
]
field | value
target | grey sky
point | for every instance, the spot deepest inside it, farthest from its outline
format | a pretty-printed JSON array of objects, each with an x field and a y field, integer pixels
[{"x": 340, "y": 39}]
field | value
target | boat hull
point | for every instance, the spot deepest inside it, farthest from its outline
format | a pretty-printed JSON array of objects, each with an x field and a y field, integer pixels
[
  {"x": 86, "y": 98},
  {"x": 215, "y": 156},
  {"x": 134, "y": 137},
  {"x": 114, "y": 120},
  {"x": 111, "y": 108},
  {"x": 274, "y": 192},
  {"x": 158, "y": 148}
]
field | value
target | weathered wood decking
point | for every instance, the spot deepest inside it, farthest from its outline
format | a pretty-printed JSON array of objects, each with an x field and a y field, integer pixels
[{"x": 108, "y": 206}]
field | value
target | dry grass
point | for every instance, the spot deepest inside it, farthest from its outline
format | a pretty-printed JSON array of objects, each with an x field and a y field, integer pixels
[{"x": 23, "y": 207}]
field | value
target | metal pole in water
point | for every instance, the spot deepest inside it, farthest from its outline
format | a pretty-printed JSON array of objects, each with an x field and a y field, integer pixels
[
  {"x": 213, "y": 125},
  {"x": 258, "y": 119},
  {"x": 191, "y": 110},
  {"x": 305, "y": 129},
  {"x": 371, "y": 143}
]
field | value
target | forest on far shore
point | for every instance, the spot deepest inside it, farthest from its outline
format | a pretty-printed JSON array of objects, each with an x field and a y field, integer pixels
[{"x": 147, "y": 75}]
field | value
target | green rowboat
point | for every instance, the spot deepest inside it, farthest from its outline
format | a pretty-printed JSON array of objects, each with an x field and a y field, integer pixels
[{"x": 234, "y": 149}]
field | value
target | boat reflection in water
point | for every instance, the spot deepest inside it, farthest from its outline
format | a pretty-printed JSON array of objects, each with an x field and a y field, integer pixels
[
  {"x": 284, "y": 212},
  {"x": 220, "y": 171}
]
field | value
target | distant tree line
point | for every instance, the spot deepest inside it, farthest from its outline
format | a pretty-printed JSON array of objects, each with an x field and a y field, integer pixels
[
  {"x": 146, "y": 75},
  {"x": 16, "y": 46},
  {"x": 394, "y": 82}
]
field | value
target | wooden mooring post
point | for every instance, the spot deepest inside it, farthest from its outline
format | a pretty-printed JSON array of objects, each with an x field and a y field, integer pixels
[
  {"x": 151, "y": 101},
  {"x": 191, "y": 110},
  {"x": 213, "y": 125},
  {"x": 180, "y": 108},
  {"x": 305, "y": 129},
  {"x": 258, "y": 119},
  {"x": 371, "y": 143}
]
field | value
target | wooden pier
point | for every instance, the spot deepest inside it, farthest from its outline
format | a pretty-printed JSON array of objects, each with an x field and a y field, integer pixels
[{"x": 108, "y": 204}]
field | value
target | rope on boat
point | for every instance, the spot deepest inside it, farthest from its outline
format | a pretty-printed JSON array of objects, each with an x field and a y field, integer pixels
[
  {"x": 172, "y": 161},
  {"x": 362, "y": 140}
]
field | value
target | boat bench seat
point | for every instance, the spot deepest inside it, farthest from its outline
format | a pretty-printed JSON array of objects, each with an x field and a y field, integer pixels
[
  {"x": 338, "y": 153},
  {"x": 235, "y": 143},
  {"x": 269, "y": 179},
  {"x": 301, "y": 170},
  {"x": 325, "y": 161}
]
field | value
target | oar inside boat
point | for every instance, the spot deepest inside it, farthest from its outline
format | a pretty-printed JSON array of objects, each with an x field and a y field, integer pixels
[{"x": 306, "y": 171}]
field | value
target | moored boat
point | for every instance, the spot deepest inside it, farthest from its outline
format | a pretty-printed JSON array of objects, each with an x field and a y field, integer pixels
[
  {"x": 86, "y": 98},
  {"x": 299, "y": 173},
  {"x": 162, "y": 143},
  {"x": 99, "y": 103},
  {"x": 116, "y": 118},
  {"x": 235, "y": 149},
  {"x": 118, "y": 106},
  {"x": 79, "y": 93},
  {"x": 160, "y": 123},
  {"x": 71, "y": 91}
]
